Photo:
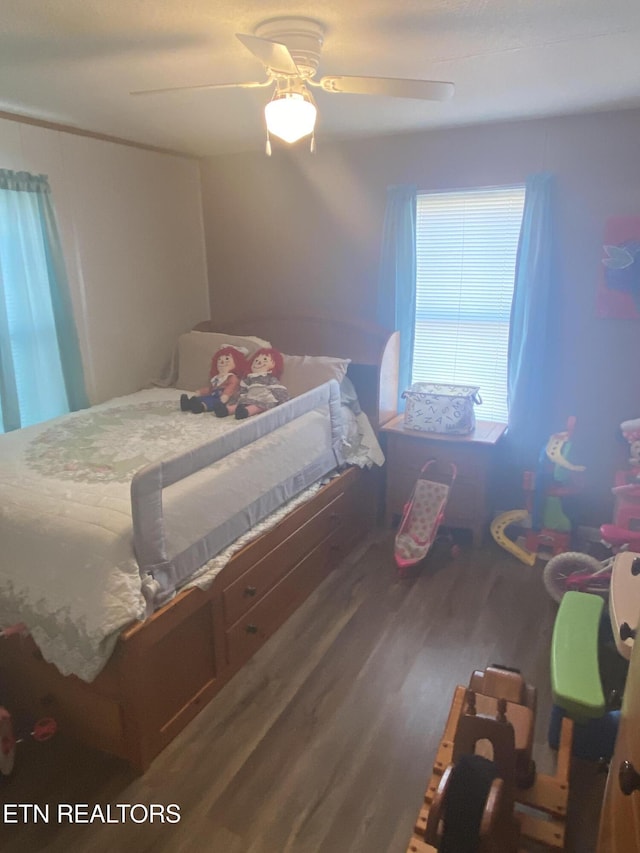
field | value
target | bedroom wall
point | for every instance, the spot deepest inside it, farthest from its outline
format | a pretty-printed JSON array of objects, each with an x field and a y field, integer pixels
[
  {"x": 303, "y": 232},
  {"x": 130, "y": 222}
]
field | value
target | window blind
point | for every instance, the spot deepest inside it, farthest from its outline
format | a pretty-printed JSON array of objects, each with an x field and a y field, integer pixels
[{"x": 466, "y": 245}]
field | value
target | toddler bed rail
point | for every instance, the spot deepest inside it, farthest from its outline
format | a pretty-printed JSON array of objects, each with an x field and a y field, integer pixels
[{"x": 196, "y": 514}]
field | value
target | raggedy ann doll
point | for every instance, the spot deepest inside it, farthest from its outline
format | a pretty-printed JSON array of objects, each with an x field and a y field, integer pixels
[
  {"x": 228, "y": 366},
  {"x": 260, "y": 388}
]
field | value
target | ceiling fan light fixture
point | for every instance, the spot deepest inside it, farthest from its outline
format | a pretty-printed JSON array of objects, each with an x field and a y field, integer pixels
[{"x": 290, "y": 115}]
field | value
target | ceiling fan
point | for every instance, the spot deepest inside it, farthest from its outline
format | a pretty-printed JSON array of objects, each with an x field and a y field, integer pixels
[{"x": 289, "y": 48}]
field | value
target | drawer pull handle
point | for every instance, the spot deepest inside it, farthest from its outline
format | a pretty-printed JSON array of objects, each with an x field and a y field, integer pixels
[
  {"x": 627, "y": 632},
  {"x": 250, "y": 591},
  {"x": 251, "y": 629},
  {"x": 628, "y": 778}
]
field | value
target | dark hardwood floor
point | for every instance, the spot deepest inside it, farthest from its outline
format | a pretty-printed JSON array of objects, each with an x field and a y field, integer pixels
[{"x": 324, "y": 742}]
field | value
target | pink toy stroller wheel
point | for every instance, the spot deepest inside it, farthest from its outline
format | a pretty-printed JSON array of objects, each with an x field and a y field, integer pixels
[{"x": 44, "y": 729}]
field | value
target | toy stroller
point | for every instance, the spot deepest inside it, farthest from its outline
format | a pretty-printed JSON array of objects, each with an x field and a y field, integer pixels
[{"x": 423, "y": 514}]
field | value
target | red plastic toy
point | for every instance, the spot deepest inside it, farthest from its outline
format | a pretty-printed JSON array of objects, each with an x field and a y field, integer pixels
[{"x": 43, "y": 729}]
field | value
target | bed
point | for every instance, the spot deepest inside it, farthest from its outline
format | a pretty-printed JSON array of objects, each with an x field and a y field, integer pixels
[{"x": 215, "y": 592}]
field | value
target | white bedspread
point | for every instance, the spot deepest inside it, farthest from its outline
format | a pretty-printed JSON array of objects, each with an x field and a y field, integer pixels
[{"x": 67, "y": 568}]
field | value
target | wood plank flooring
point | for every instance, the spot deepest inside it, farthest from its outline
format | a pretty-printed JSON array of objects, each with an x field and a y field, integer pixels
[{"x": 324, "y": 742}]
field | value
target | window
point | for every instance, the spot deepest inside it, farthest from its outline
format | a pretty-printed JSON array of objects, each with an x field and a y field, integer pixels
[
  {"x": 466, "y": 245},
  {"x": 40, "y": 367}
]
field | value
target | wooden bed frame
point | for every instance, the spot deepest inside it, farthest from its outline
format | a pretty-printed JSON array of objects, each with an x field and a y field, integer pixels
[{"x": 164, "y": 670}]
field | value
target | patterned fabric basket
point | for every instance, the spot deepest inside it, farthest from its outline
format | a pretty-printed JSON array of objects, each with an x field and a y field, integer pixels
[{"x": 441, "y": 408}]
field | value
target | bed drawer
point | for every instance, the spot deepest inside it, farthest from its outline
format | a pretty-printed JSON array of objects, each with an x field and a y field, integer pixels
[
  {"x": 246, "y": 636},
  {"x": 248, "y": 589}
]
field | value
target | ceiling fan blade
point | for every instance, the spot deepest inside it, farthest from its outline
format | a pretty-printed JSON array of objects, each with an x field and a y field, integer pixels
[
  {"x": 203, "y": 86},
  {"x": 392, "y": 87},
  {"x": 271, "y": 53}
]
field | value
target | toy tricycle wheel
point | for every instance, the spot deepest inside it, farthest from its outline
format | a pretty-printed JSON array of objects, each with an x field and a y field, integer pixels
[{"x": 559, "y": 569}]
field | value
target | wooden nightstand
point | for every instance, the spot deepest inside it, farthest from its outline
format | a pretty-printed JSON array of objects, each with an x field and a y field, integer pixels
[{"x": 407, "y": 450}]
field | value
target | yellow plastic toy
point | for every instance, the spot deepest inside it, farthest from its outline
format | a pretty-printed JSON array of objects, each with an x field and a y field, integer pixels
[
  {"x": 498, "y": 527},
  {"x": 548, "y": 526}
]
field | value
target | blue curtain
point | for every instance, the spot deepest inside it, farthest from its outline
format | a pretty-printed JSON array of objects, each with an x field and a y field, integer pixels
[
  {"x": 397, "y": 279},
  {"x": 531, "y": 336},
  {"x": 41, "y": 372}
]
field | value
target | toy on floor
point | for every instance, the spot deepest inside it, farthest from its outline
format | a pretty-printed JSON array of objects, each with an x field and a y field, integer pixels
[
  {"x": 624, "y": 531},
  {"x": 589, "y": 652},
  {"x": 579, "y": 670},
  {"x": 43, "y": 729},
  {"x": 631, "y": 432},
  {"x": 573, "y": 570},
  {"x": 557, "y": 478},
  {"x": 484, "y": 794},
  {"x": 578, "y": 572},
  {"x": 582, "y": 572},
  {"x": 423, "y": 514},
  {"x": 7, "y": 743}
]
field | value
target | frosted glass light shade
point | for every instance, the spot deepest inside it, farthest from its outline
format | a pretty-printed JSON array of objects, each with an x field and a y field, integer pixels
[{"x": 290, "y": 116}]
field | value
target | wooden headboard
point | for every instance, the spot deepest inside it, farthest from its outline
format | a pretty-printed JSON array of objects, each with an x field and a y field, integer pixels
[{"x": 374, "y": 352}]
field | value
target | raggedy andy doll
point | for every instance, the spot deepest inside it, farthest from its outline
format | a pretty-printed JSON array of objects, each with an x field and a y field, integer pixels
[
  {"x": 228, "y": 366},
  {"x": 260, "y": 389}
]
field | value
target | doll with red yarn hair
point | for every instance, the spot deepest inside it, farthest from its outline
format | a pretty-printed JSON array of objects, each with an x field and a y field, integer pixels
[
  {"x": 228, "y": 366},
  {"x": 260, "y": 389}
]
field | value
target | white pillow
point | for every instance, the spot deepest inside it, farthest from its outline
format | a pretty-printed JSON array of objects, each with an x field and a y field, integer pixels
[
  {"x": 196, "y": 349},
  {"x": 304, "y": 372}
]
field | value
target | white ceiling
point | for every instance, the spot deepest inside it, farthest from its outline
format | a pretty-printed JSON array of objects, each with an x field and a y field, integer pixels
[{"x": 75, "y": 62}]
